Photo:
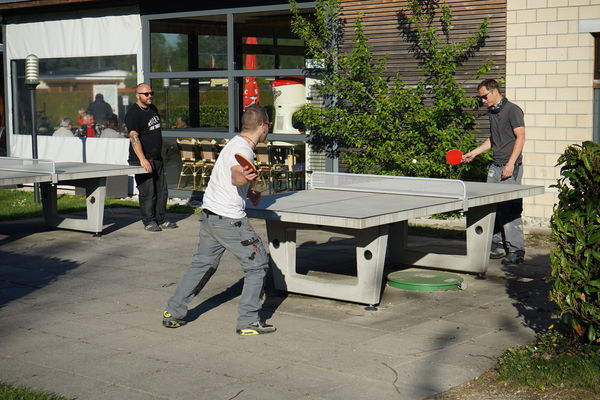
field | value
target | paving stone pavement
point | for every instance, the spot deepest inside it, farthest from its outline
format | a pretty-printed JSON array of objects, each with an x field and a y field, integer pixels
[{"x": 81, "y": 316}]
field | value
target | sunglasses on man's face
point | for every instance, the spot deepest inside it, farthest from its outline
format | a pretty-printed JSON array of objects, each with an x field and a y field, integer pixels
[
  {"x": 484, "y": 97},
  {"x": 147, "y": 93}
]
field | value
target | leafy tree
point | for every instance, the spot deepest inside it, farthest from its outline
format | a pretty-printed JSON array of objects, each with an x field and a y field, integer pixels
[
  {"x": 381, "y": 125},
  {"x": 575, "y": 224}
]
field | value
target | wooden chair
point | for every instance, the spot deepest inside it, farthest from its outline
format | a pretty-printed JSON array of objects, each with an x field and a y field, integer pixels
[
  {"x": 280, "y": 175},
  {"x": 208, "y": 154},
  {"x": 191, "y": 163},
  {"x": 263, "y": 163}
]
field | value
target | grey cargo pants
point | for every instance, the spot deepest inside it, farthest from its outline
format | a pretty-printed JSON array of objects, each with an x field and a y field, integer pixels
[
  {"x": 508, "y": 229},
  {"x": 216, "y": 235}
]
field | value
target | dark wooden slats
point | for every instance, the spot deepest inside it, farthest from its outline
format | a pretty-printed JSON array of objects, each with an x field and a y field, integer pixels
[{"x": 381, "y": 26}]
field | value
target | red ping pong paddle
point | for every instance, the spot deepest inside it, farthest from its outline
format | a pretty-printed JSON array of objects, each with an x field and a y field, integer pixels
[
  {"x": 253, "y": 195},
  {"x": 244, "y": 162},
  {"x": 454, "y": 157}
]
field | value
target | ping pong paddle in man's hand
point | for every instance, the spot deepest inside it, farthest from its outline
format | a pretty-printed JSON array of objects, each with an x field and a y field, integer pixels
[
  {"x": 454, "y": 157},
  {"x": 253, "y": 195},
  {"x": 244, "y": 162}
]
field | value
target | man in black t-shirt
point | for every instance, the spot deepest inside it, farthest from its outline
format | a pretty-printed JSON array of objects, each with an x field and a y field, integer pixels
[{"x": 145, "y": 136}]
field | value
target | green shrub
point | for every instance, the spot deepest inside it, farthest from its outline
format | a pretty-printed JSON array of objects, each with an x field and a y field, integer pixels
[
  {"x": 384, "y": 126},
  {"x": 575, "y": 225},
  {"x": 209, "y": 115}
]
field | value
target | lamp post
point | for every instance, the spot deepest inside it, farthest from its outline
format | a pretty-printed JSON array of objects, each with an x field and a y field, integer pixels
[
  {"x": 166, "y": 84},
  {"x": 32, "y": 79}
]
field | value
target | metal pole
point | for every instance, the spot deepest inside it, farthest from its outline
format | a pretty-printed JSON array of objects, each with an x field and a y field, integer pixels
[
  {"x": 34, "y": 146},
  {"x": 32, "y": 79}
]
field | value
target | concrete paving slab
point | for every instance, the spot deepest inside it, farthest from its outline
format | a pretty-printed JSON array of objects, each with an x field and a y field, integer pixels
[{"x": 81, "y": 316}]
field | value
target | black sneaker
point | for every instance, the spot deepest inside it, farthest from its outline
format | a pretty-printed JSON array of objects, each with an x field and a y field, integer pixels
[
  {"x": 255, "y": 328},
  {"x": 168, "y": 225},
  {"x": 513, "y": 259},
  {"x": 152, "y": 227},
  {"x": 170, "y": 321}
]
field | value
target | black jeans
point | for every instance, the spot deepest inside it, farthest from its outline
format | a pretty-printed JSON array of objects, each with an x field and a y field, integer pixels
[{"x": 153, "y": 193}]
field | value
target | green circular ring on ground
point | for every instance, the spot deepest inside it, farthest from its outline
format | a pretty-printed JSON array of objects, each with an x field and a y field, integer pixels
[{"x": 421, "y": 280}]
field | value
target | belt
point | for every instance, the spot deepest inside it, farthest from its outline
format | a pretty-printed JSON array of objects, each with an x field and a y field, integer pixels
[
  {"x": 208, "y": 212},
  {"x": 502, "y": 165}
]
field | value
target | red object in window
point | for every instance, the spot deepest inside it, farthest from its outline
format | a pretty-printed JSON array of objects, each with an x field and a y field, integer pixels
[
  {"x": 250, "y": 94},
  {"x": 288, "y": 80}
]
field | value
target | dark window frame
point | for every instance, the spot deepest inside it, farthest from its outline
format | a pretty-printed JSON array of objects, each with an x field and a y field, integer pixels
[{"x": 230, "y": 73}]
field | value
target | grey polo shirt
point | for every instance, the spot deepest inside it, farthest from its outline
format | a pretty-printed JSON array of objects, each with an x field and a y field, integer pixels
[{"x": 503, "y": 121}]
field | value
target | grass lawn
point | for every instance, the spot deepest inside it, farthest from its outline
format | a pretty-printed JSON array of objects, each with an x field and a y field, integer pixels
[
  {"x": 17, "y": 204},
  {"x": 9, "y": 392},
  {"x": 554, "y": 360}
]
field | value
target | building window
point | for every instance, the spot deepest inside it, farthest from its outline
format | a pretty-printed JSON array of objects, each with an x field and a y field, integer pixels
[
  {"x": 68, "y": 87},
  {"x": 199, "y": 66},
  {"x": 189, "y": 44}
]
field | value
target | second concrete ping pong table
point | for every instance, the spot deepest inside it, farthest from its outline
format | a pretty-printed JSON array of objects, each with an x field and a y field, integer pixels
[
  {"x": 92, "y": 177},
  {"x": 375, "y": 210}
]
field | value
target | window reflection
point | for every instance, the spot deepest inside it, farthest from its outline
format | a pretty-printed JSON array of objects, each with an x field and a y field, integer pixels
[
  {"x": 267, "y": 36},
  {"x": 192, "y": 103},
  {"x": 83, "y": 96},
  {"x": 189, "y": 44}
]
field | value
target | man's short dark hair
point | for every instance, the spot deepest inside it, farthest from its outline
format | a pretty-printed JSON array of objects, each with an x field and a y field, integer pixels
[
  {"x": 489, "y": 84},
  {"x": 253, "y": 117},
  {"x": 99, "y": 96}
]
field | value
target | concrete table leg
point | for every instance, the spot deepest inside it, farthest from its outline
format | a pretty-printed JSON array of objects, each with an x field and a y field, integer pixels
[
  {"x": 480, "y": 227},
  {"x": 371, "y": 244},
  {"x": 95, "y": 192}
]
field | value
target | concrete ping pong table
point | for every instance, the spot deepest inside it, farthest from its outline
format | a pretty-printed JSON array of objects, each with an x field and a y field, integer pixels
[
  {"x": 91, "y": 177},
  {"x": 375, "y": 210}
]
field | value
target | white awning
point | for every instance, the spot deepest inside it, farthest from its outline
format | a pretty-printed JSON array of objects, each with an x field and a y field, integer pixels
[{"x": 84, "y": 37}]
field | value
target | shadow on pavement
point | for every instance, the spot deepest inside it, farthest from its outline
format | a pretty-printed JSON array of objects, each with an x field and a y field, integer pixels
[{"x": 529, "y": 286}]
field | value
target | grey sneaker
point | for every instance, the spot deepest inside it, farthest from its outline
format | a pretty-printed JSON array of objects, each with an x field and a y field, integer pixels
[
  {"x": 255, "y": 328},
  {"x": 497, "y": 252},
  {"x": 515, "y": 258},
  {"x": 168, "y": 225},
  {"x": 170, "y": 321},
  {"x": 152, "y": 227}
]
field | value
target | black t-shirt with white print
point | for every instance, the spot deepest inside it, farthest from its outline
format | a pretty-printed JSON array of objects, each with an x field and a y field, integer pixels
[{"x": 146, "y": 122}]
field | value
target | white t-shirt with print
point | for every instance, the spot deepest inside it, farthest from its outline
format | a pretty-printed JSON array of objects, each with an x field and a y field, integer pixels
[{"x": 221, "y": 196}]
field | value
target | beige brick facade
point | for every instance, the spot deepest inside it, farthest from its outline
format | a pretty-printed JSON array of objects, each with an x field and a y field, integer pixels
[{"x": 549, "y": 73}]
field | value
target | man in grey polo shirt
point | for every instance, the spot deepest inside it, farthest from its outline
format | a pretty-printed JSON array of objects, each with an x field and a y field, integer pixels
[{"x": 507, "y": 137}]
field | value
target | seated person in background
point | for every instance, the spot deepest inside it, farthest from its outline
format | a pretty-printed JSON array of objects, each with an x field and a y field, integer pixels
[
  {"x": 112, "y": 126},
  {"x": 89, "y": 127},
  {"x": 80, "y": 115},
  {"x": 180, "y": 122},
  {"x": 65, "y": 128}
]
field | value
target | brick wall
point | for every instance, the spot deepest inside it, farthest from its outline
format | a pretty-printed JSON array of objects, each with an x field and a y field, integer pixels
[{"x": 549, "y": 73}]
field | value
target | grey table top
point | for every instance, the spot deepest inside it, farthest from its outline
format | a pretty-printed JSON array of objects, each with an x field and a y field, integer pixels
[
  {"x": 363, "y": 209},
  {"x": 65, "y": 171}
]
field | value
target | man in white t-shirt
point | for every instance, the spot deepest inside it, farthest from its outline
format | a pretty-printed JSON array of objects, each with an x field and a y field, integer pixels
[{"x": 224, "y": 225}]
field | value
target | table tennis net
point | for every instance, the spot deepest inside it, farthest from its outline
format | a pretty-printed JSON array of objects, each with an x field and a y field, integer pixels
[
  {"x": 431, "y": 187},
  {"x": 27, "y": 165}
]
